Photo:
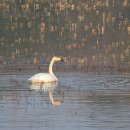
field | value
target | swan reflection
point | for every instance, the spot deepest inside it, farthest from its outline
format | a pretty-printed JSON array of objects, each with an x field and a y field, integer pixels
[{"x": 46, "y": 87}]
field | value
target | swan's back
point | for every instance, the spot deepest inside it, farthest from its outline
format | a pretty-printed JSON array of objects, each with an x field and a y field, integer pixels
[{"x": 42, "y": 77}]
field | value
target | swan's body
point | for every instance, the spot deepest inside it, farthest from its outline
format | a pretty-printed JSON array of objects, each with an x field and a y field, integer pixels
[
  {"x": 46, "y": 77},
  {"x": 43, "y": 77}
]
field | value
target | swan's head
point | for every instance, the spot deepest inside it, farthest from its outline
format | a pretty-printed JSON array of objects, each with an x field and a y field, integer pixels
[{"x": 57, "y": 58}]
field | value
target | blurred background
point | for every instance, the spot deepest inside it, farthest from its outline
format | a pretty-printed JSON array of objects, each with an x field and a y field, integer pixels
[{"x": 91, "y": 35}]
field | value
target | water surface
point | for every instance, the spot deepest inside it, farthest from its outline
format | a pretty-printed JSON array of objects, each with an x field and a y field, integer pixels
[{"x": 89, "y": 102}]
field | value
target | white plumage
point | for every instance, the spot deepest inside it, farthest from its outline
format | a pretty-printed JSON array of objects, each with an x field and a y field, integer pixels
[
  {"x": 43, "y": 77},
  {"x": 46, "y": 77}
]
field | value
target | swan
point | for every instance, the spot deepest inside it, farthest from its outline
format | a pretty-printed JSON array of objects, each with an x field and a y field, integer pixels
[{"x": 46, "y": 77}]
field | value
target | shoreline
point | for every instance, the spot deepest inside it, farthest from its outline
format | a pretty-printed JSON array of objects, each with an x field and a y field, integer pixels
[{"x": 72, "y": 68}]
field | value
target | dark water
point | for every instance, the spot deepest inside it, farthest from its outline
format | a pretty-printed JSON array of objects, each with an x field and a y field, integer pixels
[{"x": 89, "y": 102}]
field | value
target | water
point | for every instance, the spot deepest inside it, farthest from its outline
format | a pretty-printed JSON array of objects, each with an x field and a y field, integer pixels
[{"x": 88, "y": 102}]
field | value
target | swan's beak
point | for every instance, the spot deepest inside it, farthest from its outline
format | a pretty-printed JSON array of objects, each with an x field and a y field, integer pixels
[{"x": 59, "y": 59}]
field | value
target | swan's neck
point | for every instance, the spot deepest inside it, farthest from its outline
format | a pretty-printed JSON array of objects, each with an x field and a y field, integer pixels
[{"x": 50, "y": 68}]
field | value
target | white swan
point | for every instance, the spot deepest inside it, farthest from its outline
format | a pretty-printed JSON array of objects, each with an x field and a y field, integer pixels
[{"x": 46, "y": 77}]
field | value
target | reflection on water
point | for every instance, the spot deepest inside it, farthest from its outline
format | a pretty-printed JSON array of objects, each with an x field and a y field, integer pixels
[
  {"x": 91, "y": 101},
  {"x": 43, "y": 86},
  {"x": 49, "y": 86}
]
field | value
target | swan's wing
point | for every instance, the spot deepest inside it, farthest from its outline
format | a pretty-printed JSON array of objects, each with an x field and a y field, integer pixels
[{"x": 42, "y": 77}]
